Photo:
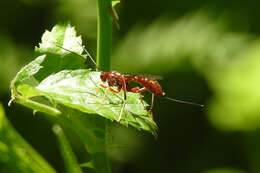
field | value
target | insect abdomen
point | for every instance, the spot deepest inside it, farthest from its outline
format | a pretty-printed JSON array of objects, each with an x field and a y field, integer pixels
[{"x": 150, "y": 84}]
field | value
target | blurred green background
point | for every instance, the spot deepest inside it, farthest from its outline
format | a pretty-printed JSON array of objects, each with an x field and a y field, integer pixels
[{"x": 207, "y": 52}]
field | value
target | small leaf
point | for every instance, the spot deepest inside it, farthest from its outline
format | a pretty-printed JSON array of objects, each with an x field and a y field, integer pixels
[
  {"x": 113, "y": 13},
  {"x": 87, "y": 165},
  {"x": 115, "y": 2},
  {"x": 68, "y": 155},
  {"x": 57, "y": 58},
  {"x": 24, "y": 75},
  {"x": 28, "y": 71},
  {"x": 62, "y": 35}
]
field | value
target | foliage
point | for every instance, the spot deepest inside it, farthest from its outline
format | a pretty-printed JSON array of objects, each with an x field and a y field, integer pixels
[
  {"x": 60, "y": 79},
  {"x": 204, "y": 57},
  {"x": 16, "y": 152},
  {"x": 57, "y": 84},
  {"x": 236, "y": 106}
]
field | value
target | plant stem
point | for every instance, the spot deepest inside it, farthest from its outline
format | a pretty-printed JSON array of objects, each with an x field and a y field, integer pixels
[
  {"x": 104, "y": 47},
  {"x": 92, "y": 131},
  {"x": 16, "y": 152},
  {"x": 104, "y": 37}
]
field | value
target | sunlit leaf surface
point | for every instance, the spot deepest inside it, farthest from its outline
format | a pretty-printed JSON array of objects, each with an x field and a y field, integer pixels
[{"x": 58, "y": 77}]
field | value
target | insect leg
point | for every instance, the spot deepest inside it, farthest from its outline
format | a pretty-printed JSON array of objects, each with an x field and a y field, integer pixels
[
  {"x": 138, "y": 90},
  {"x": 150, "y": 111},
  {"x": 104, "y": 93},
  {"x": 121, "y": 112},
  {"x": 103, "y": 86},
  {"x": 111, "y": 89},
  {"x": 152, "y": 102},
  {"x": 114, "y": 91},
  {"x": 105, "y": 96},
  {"x": 124, "y": 86},
  {"x": 125, "y": 90},
  {"x": 151, "y": 107}
]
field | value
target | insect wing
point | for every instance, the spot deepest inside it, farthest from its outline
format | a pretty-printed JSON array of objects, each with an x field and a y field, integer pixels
[{"x": 148, "y": 76}]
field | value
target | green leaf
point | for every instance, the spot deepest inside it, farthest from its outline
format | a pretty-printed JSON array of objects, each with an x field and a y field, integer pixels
[
  {"x": 64, "y": 36},
  {"x": 28, "y": 71},
  {"x": 43, "y": 86},
  {"x": 87, "y": 165},
  {"x": 58, "y": 59},
  {"x": 80, "y": 89},
  {"x": 68, "y": 155},
  {"x": 25, "y": 74},
  {"x": 115, "y": 2},
  {"x": 16, "y": 153}
]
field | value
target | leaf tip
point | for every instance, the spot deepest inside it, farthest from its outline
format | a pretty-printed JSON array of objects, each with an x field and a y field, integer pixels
[{"x": 57, "y": 129}]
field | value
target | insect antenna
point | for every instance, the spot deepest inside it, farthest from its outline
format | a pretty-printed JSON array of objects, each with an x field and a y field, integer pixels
[
  {"x": 71, "y": 52},
  {"x": 89, "y": 56},
  {"x": 185, "y": 102},
  {"x": 85, "y": 50}
]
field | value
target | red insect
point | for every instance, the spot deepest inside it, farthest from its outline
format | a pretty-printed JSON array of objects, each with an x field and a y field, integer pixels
[{"x": 121, "y": 81}]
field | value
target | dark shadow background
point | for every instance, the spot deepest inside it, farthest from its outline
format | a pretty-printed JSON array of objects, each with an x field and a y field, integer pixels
[{"x": 187, "y": 142}]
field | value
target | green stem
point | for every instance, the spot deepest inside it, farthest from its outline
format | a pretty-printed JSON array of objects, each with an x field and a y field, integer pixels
[
  {"x": 92, "y": 131},
  {"x": 37, "y": 106},
  {"x": 16, "y": 152},
  {"x": 104, "y": 37},
  {"x": 104, "y": 48}
]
